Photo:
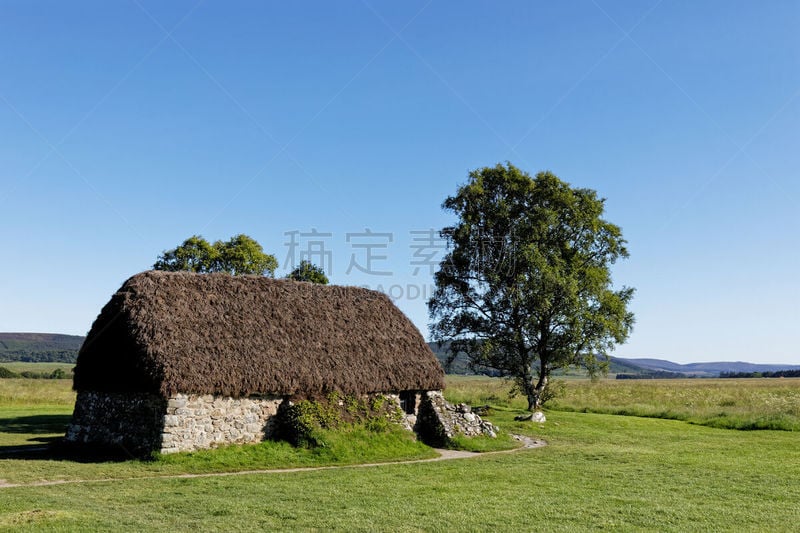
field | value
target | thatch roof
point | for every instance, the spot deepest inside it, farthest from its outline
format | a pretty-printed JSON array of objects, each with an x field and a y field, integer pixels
[{"x": 169, "y": 332}]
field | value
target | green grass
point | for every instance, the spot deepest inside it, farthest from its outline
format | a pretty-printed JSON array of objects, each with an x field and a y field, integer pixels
[
  {"x": 34, "y": 411},
  {"x": 723, "y": 403},
  {"x": 28, "y": 392},
  {"x": 483, "y": 444},
  {"x": 481, "y": 390},
  {"x": 598, "y": 471},
  {"x": 346, "y": 446}
]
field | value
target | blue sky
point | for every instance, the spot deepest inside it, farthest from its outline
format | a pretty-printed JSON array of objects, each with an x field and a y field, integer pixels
[{"x": 127, "y": 126}]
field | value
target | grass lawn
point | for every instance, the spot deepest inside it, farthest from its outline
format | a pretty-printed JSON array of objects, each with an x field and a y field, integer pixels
[
  {"x": 33, "y": 411},
  {"x": 598, "y": 471}
]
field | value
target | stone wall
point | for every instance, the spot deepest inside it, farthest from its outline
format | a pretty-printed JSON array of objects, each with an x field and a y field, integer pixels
[
  {"x": 438, "y": 421},
  {"x": 409, "y": 420},
  {"x": 130, "y": 423},
  {"x": 138, "y": 423},
  {"x": 195, "y": 422}
]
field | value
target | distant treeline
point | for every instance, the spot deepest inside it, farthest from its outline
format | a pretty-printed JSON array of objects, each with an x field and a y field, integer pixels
[
  {"x": 46, "y": 356},
  {"x": 39, "y": 347},
  {"x": 775, "y": 374},
  {"x": 656, "y": 374},
  {"x": 58, "y": 373}
]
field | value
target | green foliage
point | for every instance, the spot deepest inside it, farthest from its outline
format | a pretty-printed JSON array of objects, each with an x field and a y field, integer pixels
[
  {"x": 195, "y": 254},
  {"x": 6, "y": 373},
  {"x": 348, "y": 444},
  {"x": 554, "y": 389},
  {"x": 55, "y": 374},
  {"x": 58, "y": 373},
  {"x": 239, "y": 255},
  {"x": 526, "y": 287},
  {"x": 47, "y": 356},
  {"x": 304, "y": 423},
  {"x": 39, "y": 347},
  {"x": 243, "y": 255},
  {"x": 307, "y": 271},
  {"x": 302, "y": 420}
]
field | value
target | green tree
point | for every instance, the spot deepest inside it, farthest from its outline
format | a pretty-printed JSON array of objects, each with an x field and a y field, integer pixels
[
  {"x": 307, "y": 271},
  {"x": 243, "y": 255},
  {"x": 526, "y": 286},
  {"x": 195, "y": 254},
  {"x": 239, "y": 255}
]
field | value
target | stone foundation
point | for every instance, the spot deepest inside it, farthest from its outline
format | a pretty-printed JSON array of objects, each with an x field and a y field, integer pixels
[
  {"x": 438, "y": 421},
  {"x": 138, "y": 423},
  {"x": 130, "y": 423}
]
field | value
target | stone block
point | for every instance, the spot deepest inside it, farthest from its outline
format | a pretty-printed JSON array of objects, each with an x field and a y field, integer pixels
[
  {"x": 253, "y": 428},
  {"x": 176, "y": 403}
]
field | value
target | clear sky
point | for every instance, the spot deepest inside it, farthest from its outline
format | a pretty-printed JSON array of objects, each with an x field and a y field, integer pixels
[{"x": 127, "y": 126}]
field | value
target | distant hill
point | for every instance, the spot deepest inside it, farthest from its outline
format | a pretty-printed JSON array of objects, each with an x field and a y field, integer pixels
[
  {"x": 656, "y": 368},
  {"x": 39, "y": 347},
  {"x": 703, "y": 369}
]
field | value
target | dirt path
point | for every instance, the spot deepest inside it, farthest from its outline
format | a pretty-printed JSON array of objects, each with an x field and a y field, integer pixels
[{"x": 444, "y": 455}]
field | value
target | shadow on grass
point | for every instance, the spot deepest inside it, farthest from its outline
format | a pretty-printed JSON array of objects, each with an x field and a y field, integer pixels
[
  {"x": 36, "y": 424},
  {"x": 56, "y": 449},
  {"x": 52, "y": 447}
]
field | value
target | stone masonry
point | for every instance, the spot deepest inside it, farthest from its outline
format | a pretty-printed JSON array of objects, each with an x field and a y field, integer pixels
[
  {"x": 196, "y": 422},
  {"x": 128, "y": 422},
  {"x": 138, "y": 423},
  {"x": 438, "y": 421}
]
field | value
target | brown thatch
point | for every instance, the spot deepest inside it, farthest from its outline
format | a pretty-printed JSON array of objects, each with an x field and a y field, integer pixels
[{"x": 169, "y": 332}]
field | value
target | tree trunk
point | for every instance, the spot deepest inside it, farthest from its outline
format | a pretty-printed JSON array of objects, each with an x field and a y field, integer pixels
[{"x": 534, "y": 393}]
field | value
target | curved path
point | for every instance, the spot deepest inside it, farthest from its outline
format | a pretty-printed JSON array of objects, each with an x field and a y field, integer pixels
[{"x": 444, "y": 455}]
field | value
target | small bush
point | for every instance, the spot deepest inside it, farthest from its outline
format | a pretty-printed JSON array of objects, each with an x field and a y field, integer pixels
[{"x": 6, "y": 373}]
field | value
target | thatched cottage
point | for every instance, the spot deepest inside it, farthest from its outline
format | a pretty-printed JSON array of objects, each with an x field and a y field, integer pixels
[{"x": 178, "y": 361}]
